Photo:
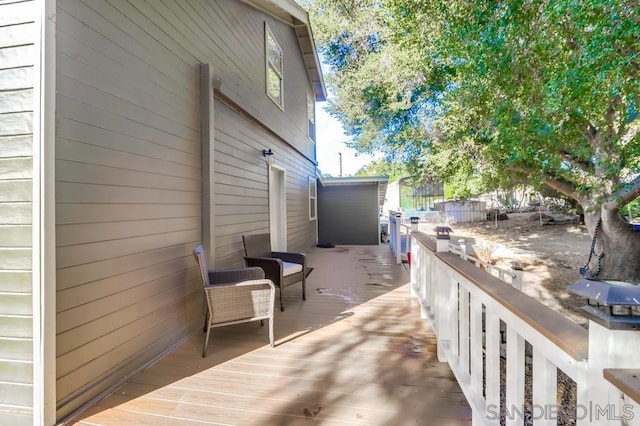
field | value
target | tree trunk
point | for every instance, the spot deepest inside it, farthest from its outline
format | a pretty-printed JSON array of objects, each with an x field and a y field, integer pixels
[{"x": 618, "y": 243}]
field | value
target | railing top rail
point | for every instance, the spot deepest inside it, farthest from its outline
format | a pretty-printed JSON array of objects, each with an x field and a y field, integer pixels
[
  {"x": 424, "y": 239},
  {"x": 625, "y": 379},
  {"x": 564, "y": 333}
]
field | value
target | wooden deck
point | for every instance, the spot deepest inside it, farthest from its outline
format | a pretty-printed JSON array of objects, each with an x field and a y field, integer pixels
[{"x": 356, "y": 352}]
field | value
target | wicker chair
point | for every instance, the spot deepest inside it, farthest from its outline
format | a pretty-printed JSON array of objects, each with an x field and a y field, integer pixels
[
  {"x": 283, "y": 268},
  {"x": 235, "y": 296}
]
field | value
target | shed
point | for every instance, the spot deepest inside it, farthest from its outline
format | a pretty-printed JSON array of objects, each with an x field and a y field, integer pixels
[
  {"x": 349, "y": 209},
  {"x": 455, "y": 211}
]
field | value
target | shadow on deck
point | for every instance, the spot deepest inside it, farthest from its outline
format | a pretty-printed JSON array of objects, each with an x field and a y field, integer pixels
[{"x": 356, "y": 352}]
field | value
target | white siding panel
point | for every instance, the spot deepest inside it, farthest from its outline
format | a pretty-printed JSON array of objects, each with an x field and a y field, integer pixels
[
  {"x": 16, "y": 123},
  {"x": 15, "y": 236},
  {"x": 17, "y": 12},
  {"x": 17, "y": 349},
  {"x": 16, "y": 326},
  {"x": 128, "y": 193},
  {"x": 17, "y": 58},
  {"x": 16, "y": 100},
  {"x": 17, "y": 35},
  {"x": 16, "y": 78},
  {"x": 16, "y": 146},
  {"x": 16, "y": 168},
  {"x": 14, "y": 57},
  {"x": 15, "y": 213},
  {"x": 15, "y": 282}
]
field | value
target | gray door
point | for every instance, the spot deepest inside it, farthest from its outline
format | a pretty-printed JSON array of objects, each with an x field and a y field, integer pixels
[{"x": 348, "y": 214}]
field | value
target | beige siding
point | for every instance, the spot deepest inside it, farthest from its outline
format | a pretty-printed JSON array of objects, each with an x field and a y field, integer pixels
[
  {"x": 17, "y": 59},
  {"x": 230, "y": 35},
  {"x": 128, "y": 172},
  {"x": 242, "y": 196},
  {"x": 128, "y": 195}
]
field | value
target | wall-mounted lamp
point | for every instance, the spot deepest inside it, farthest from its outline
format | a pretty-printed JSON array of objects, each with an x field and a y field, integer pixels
[{"x": 268, "y": 155}]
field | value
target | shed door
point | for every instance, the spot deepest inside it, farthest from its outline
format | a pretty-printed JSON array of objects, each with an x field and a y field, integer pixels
[{"x": 348, "y": 214}]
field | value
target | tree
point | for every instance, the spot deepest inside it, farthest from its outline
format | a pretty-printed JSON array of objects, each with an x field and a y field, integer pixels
[
  {"x": 384, "y": 168},
  {"x": 546, "y": 91}
]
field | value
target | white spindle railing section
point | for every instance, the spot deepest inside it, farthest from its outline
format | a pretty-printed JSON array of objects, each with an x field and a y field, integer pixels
[
  {"x": 400, "y": 232},
  {"x": 512, "y": 276},
  {"x": 466, "y": 307}
]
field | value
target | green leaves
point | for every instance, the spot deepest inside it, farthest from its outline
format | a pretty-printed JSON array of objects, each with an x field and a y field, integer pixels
[{"x": 548, "y": 90}]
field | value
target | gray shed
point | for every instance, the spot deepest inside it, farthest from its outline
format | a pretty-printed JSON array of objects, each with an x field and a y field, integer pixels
[{"x": 349, "y": 209}]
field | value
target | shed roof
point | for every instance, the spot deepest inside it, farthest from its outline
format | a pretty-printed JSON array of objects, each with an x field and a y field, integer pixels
[
  {"x": 381, "y": 181},
  {"x": 292, "y": 14}
]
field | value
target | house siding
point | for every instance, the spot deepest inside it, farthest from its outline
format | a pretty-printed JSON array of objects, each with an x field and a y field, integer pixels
[
  {"x": 17, "y": 59},
  {"x": 242, "y": 195},
  {"x": 128, "y": 172},
  {"x": 128, "y": 191}
]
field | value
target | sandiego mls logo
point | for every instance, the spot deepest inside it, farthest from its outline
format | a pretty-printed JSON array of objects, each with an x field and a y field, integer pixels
[{"x": 591, "y": 412}]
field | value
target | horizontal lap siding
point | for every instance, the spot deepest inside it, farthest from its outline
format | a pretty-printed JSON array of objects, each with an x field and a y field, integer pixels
[
  {"x": 233, "y": 33},
  {"x": 128, "y": 193},
  {"x": 128, "y": 172},
  {"x": 240, "y": 170},
  {"x": 18, "y": 33},
  {"x": 242, "y": 196}
]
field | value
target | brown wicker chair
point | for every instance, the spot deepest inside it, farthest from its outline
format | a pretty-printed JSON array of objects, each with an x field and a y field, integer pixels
[
  {"x": 283, "y": 268},
  {"x": 235, "y": 296}
]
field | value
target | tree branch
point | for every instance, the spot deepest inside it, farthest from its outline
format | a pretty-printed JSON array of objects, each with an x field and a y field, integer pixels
[
  {"x": 562, "y": 186},
  {"x": 572, "y": 159},
  {"x": 628, "y": 133},
  {"x": 629, "y": 192}
]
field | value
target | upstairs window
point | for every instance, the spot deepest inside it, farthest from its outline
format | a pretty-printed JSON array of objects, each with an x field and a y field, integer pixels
[
  {"x": 311, "y": 117},
  {"x": 273, "y": 63},
  {"x": 313, "y": 197}
]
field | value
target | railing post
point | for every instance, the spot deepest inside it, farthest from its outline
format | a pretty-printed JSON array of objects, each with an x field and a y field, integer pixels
[
  {"x": 517, "y": 273},
  {"x": 442, "y": 238},
  {"x": 614, "y": 342},
  {"x": 463, "y": 248},
  {"x": 608, "y": 348},
  {"x": 416, "y": 268},
  {"x": 398, "y": 237}
]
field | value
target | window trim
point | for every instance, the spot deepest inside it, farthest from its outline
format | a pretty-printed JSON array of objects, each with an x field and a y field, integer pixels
[
  {"x": 269, "y": 66},
  {"x": 313, "y": 199},
  {"x": 311, "y": 118}
]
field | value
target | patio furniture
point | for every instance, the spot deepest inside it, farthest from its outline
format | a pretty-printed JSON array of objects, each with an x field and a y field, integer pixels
[
  {"x": 235, "y": 296},
  {"x": 283, "y": 268}
]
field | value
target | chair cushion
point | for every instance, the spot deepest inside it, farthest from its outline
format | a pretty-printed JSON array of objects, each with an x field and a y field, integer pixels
[{"x": 290, "y": 268}]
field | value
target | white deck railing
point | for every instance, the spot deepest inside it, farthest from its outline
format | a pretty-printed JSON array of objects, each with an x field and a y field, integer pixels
[
  {"x": 466, "y": 306},
  {"x": 399, "y": 236}
]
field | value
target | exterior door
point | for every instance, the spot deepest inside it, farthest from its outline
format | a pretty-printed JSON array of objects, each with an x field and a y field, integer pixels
[{"x": 277, "y": 209}]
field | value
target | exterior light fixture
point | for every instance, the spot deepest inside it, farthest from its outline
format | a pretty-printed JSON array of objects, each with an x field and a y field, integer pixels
[
  {"x": 268, "y": 155},
  {"x": 613, "y": 304},
  {"x": 442, "y": 232}
]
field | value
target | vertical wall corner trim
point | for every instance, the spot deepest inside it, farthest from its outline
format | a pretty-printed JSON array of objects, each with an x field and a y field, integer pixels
[
  {"x": 208, "y": 160},
  {"x": 44, "y": 221}
]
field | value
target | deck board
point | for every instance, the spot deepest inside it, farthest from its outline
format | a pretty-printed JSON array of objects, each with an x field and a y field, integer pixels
[{"x": 355, "y": 352}]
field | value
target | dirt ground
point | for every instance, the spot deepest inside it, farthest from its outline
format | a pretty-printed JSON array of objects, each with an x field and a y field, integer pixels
[{"x": 551, "y": 254}]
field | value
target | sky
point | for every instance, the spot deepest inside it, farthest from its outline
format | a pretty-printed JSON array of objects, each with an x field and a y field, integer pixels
[{"x": 330, "y": 141}]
